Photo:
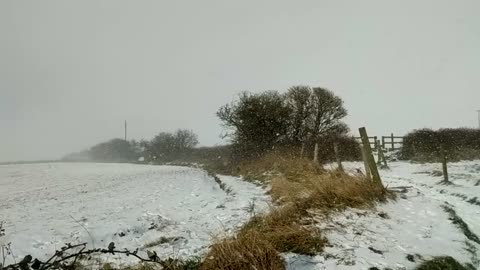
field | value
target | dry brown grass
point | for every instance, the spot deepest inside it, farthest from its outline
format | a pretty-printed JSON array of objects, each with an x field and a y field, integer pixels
[
  {"x": 259, "y": 242},
  {"x": 274, "y": 164},
  {"x": 328, "y": 191},
  {"x": 248, "y": 251},
  {"x": 284, "y": 229},
  {"x": 297, "y": 185}
]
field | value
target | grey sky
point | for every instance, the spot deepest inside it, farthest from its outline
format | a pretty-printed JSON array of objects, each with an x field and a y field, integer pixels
[{"x": 72, "y": 71}]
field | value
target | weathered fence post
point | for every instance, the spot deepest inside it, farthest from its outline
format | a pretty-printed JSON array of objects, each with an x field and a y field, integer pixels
[
  {"x": 365, "y": 163},
  {"x": 337, "y": 156},
  {"x": 381, "y": 157},
  {"x": 315, "y": 153},
  {"x": 369, "y": 156},
  {"x": 393, "y": 142},
  {"x": 444, "y": 165}
]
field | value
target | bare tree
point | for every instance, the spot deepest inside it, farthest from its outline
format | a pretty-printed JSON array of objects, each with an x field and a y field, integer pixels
[
  {"x": 185, "y": 139},
  {"x": 260, "y": 121},
  {"x": 165, "y": 143},
  {"x": 315, "y": 113},
  {"x": 256, "y": 122},
  {"x": 327, "y": 112},
  {"x": 298, "y": 99}
]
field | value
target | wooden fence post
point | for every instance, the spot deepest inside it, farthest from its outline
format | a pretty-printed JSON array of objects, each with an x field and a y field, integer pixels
[
  {"x": 381, "y": 156},
  {"x": 365, "y": 163},
  {"x": 337, "y": 156},
  {"x": 315, "y": 153},
  {"x": 393, "y": 142},
  {"x": 444, "y": 165},
  {"x": 369, "y": 156}
]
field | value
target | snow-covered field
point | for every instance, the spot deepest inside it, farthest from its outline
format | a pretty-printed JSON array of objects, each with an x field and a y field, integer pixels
[
  {"x": 401, "y": 234},
  {"x": 46, "y": 205},
  {"x": 177, "y": 210}
]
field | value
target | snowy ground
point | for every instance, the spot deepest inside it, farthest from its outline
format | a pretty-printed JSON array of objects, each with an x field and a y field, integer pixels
[
  {"x": 46, "y": 205},
  {"x": 401, "y": 234}
]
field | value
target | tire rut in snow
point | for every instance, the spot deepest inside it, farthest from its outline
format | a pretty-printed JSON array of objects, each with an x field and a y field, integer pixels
[
  {"x": 458, "y": 221},
  {"x": 221, "y": 184},
  {"x": 473, "y": 200}
]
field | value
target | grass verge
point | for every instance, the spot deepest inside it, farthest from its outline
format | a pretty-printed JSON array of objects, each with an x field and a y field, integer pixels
[{"x": 297, "y": 186}]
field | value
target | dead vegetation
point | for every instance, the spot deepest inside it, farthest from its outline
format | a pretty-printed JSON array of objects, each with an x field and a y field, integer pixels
[
  {"x": 247, "y": 251},
  {"x": 329, "y": 191},
  {"x": 278, "y": 163},
  {"x": 287, "y": 230},
  {"x": 297, "y": 187}
]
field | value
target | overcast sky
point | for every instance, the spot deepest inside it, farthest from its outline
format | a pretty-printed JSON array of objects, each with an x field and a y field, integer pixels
[{"x": 72, "y": 71}]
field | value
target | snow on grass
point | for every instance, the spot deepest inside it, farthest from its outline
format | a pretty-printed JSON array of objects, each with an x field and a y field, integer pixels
[
  {"x": 401, "y": 234},
  {"x": 172, "y": 210}
]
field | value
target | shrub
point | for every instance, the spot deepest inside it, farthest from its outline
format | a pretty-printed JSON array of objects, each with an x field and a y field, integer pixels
[
  {"x": 427, "y": 144},
  {"x": 257, "y": 123}
]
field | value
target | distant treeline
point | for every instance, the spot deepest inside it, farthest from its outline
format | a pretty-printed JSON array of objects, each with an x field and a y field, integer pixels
[
  {"x": 304, "y": 121},
  {"x": 29, "y": 162},
  {"x": 428, "y": 144},
  {"x": 115, "y": 150},
  {"x": 161, "y": 147}
]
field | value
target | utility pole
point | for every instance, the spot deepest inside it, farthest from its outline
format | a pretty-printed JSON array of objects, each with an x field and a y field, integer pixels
[
  {"x": 125, "y": 130},
  {"x": 478, "y": 111}
]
